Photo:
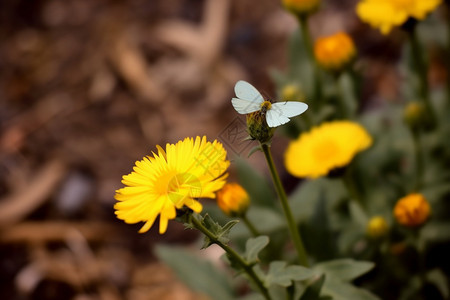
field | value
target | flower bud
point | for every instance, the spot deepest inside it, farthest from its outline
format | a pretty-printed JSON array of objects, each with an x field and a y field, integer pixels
[
  {"x": 377, "y": 227},
  {"x": 233, "y": 200},
  {"x": 412, "y": 210},
  {"x": 301, "y": 7},
  {"x": 415, "y": 115},
  {"x": 257, "y": 126},
  {"x": 334, "y": 52}
]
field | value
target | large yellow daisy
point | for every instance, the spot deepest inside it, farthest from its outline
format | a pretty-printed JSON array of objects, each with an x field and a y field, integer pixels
[
  {"x": 326, "y": 147},
  {"x": 385, "y": 14},
  {"x": 171, "y": 179}
]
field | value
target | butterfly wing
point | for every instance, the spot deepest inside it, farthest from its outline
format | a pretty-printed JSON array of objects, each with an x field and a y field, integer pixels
[
  {"x": 244, "y": 106},
  {"x": 280, "y": 112},
  {"x": 248, "y": 98}
]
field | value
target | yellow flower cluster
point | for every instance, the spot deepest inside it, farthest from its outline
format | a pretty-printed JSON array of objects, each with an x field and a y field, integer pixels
[
  {"x": 326, "y": 147},
  {"x": 170, "y": 180},
  {"x": 335, "y": 51},
  {"x": 412, "y": 210},
  {"x": 233, "y": 200},
  {"x": 385, "y": 14},
  {"x": 301, "y": 7}
]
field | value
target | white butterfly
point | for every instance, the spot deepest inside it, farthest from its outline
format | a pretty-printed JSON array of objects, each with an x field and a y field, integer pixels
[{"x": 250, "y": 100}]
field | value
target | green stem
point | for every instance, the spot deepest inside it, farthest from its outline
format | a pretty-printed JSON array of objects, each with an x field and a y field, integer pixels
[
  {"x": 308, "y": 44},
  {"x": 419, "y": 159},
  {"x": 422, "y": 72},
  {"x": 340, "y": 96},
  {"x": 248, "y": 268},
  {"x": 351, "y": 188},
  {"x": 293, "y": 229},
  {"x": 250, "y": 225}
]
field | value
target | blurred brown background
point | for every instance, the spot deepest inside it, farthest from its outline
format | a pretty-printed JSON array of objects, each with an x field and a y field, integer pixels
[{"x": 89, "y": 87}]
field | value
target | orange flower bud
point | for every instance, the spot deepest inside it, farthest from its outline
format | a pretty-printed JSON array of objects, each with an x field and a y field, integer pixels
[
  {"x": 412, "y": 210},
  {"x": 334, "y": 52},
  {"x": 233, "y": 200}
]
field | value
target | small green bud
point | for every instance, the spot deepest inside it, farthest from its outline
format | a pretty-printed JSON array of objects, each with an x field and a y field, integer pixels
[{"x": 257, "y": 125}]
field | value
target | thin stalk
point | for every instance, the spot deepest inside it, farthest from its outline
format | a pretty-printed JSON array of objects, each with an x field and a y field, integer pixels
[
  {"x": 351, "y": 188},
  {"x": 340, "y": 96},
  {"x": 250, "y": 226},
  {"x": 422, "y": 72},
  {"x": 418, "y": 153},
  {"x": 248, "y": 268},
  {"x": 308, "y": 45},
  {"x": 293, "y": 229}
]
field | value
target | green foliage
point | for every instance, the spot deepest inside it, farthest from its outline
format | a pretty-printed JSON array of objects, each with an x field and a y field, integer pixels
[
  {"x": 253, "y": 247},
  {"x": 312, "y": 291},
  {"x": 281, "y": 274},
  {"x": 220, "y": 232},
  {"x": 198, "y": 274},
  {"x": 344, "y": 269}
]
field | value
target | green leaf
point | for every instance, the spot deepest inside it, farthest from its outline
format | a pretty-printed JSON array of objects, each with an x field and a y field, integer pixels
[
  {"x": 358, "y": 215},
  {"x": 254, "y": 246},
  {"x": 340, "y": 290},
  {"x": 438, "y": 278},
  {"x": 220, "y": 232},
  {"x": 344, "y": 269},
  {"x": 198, "y": 274},
  {"x": 280, "y": 274},
  {"x": 312, "y": 292}
]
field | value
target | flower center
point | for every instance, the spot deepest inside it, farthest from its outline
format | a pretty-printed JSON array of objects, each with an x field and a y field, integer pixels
[
  {"x": 325, "y": 149},
  {"x": 178, "y": 186}
]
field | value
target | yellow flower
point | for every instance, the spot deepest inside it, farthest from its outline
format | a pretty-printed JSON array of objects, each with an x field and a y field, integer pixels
[
  {"x": 291, "y": 92},
  {"x": 385, "y": 14},
  {"x": 412, "y": 210},
  {"x": 326, "y": 147},
  {"x": 335, "y": 51},
  {"x": 377, "y": 227},
  {"x": 301, "y": 7},
  {"x": 170, "y": 180},
  {"x": 233, "y": 199}
]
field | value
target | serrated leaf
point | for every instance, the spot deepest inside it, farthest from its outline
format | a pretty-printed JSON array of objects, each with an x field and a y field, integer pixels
[
  {"x": 283, "y": 275},
  {"x": 220, "y": 232},
  {"x": 254, "y": 246},
  {"x": 222, "y": 236},
  {"x": 344, "y": 269},
  {"x": 198, "y": 274}
]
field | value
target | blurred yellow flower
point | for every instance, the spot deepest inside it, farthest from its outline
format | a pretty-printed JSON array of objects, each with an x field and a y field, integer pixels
[
  {"x": 377, "y": 227},
  {"x": 412, "y": 210},
  {"x": 415, "y": 114},
  {"x": 325, "y": 147},
  {"x": 385, "y": 14},
  {"x": 301, "y": 7},
  {"x": 233, "y": 200},
  {"x": 335, "y": 51},
  {"x": 291, "y": 92},
  {"x": 171, "y": 179}
]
